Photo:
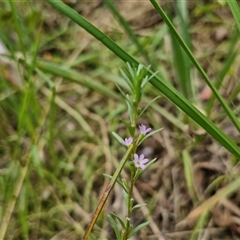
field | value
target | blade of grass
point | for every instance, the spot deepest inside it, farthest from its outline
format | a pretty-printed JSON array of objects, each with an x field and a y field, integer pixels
[
  {"x": 207, "y": 205},
  {"x": 229, "y": 58},
  {"x": 228, "y": 63},
  {"x": 127, "y": 28},
  {"x": 59, "y": 70},
  {"x": 197, "y": 65},
  {"x": 181, "y": 67},
  {"x": 182, "y": 11},
  {"x": 23, "y": 210},
  {"x": 156, "y": 81},
  {"x": 72, "y": 112},
  {"x": 200, "y": 225},
  {"x": 18, "y": 25},
  {"x": 181, "y": 61},
  {"x": 188, "y": 173},
  {"x": 235, "y": 9}
]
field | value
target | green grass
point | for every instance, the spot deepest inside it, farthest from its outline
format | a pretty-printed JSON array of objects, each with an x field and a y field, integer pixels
[{"x": 59, "y": 105}]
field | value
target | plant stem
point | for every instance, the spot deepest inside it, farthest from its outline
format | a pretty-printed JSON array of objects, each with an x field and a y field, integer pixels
[
  {"x": 130, "y": 205},
  {"x": 106, "y": 194},
  {"x": 133, "y": 173}
]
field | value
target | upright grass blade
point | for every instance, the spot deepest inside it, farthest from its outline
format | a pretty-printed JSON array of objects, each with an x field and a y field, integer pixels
[
  {"x": 235, "y": 9},
  {"x": 127, "y": 29},
  {"x": 232, "y": 53},
  {"x": 189, "y": 174},
  {"x": 200, "y": 225},
  {"x": 197, "y": 65},
  {"x": 182, "y": 62},
  {"x": 157, "y": 82},
  {"x": 18, "y": 27}
]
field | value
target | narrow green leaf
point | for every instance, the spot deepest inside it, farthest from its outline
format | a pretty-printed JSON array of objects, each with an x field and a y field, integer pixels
[
  {"x": 130, "y": 107},
  {"x": 46, "y": 78},
  {"x": 114, "y": 226},
  {"x": 203, "y": 219},
  {"x": 119, "y": 219},
  {"x": 235, "y": 9},
  {"x": 129, "y": 100},
  {"x": 127, "y": 28},
  {"x": 127, "y": 80},
  {"x": 120, "y": 90},
  {"x": 129, "y": 127},
  {"x": 126, "y": 197},
  {"x": 139, "y": 205},
  {"x": 107, "y": 175},
  {"x": 139, "y": 227},
  {"x": 182, "y": 67},
  {"x": 149, "y": 134},
  {"x": 118, "y": 137},
  {"x": 188, "y": 173},
  {"x": 139, "y": 172},
  {"x": 18, "y": 26},
  {"x": 131, "y": 71},
  {"x": 74, "y": 76},
  {"x": 147, "y": 79},
  {"x": 231, "y": 56},
  {"x": 118, "y": 181},
  {"x": 221, "y": 100},
  {"x": 147, "y": 106}
]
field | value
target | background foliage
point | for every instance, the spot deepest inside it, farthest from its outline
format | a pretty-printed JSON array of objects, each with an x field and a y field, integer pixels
[{"x": 59, "y": 104}]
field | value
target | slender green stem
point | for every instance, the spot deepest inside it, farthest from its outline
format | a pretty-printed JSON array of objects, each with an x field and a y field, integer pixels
[
  {"x": 107, "y": 193},
  {"x": 130, "y": 205},
  {"x": 132, "y": 179}
]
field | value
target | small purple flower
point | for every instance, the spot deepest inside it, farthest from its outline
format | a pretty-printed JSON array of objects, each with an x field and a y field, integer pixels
[
  {"x": 143, "y": 129},
  {"x": 140, "y": 161},
  {"x": 127, "y": 141}
]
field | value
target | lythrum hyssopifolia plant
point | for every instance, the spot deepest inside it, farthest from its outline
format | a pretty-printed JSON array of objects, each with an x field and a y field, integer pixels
[{"x": 136, "y": 79}]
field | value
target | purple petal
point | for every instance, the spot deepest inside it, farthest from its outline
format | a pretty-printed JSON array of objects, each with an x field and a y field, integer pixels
[
  {"x": 127, "y": 141},
  {"x": 143, "y": 129},
  {"x": 139, "y": 161},
  {"x": 135, "y": 157},
  {"x": 142, "y": 166},
  {"x": 144, "y": 161}
]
